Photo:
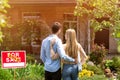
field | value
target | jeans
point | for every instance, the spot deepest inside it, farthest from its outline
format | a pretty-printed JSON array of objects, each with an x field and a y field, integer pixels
[{"x": 70, "y": 72}]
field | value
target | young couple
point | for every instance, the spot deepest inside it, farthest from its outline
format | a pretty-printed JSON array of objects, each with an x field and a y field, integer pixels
[{"x": 53, "y": 51}]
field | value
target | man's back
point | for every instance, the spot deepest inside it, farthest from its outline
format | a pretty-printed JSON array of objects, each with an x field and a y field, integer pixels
[{"x": 50, "y": 65}]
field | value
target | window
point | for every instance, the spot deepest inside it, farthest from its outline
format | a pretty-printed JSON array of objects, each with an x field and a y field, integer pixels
[
  {"x": 30, "y": 16},
  {"x": 70, "y": 21},
  {"x": 33, "y": 17}
]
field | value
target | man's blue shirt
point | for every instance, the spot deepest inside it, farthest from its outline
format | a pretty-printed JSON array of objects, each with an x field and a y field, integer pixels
[{"x": 53, "y": 65}]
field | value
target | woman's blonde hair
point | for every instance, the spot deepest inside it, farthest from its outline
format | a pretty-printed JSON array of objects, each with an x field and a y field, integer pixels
[{"x": 71, "y": 47}]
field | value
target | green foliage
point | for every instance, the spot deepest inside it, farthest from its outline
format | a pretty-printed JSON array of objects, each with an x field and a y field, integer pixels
[
  {"x": 116, "y": 63},
  {"x": 30, "y": 72},
  {"x": 101, "y": 17},
  {"x": 5, "y": 74},
  {"x": 95, "y": 77},
  {"x": 113, "y": 64},
  {"x": 118, "y": 77},
  {"x": 30, "y": 58},
  {"x": 37, "y": 71},
  {"x": 95, "y": 10},
  {"x": 3, "y": 19},
  {"x": 3, "y": 6},
  {"x": 97, "y": 70},
  {"x": 109, "y": 64},
  {"x": 98, "y": 54}
]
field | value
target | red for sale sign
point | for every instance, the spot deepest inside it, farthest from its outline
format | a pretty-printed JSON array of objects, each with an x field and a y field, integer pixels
[{"x": 13, "y": 59}]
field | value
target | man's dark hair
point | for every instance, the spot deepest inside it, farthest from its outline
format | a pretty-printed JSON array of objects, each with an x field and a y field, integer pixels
[{"x": 55, "y": 27}]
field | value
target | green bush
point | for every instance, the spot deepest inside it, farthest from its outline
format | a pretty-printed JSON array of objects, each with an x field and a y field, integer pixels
[
  {"x": 109, "y": 64},
  {"x": 116, "y": 63},
  {"x": 30, "y": 72},
  {"x": 98, "y": 54},
  {"x": 97, "y": 70},
  {"x": 30, "y": 58},
  {"x": 5, "y": 74},
  {"x": 113, "y": 64},
  {"x": 118, "y": 77},
  {"x": 37, "y": 71}
]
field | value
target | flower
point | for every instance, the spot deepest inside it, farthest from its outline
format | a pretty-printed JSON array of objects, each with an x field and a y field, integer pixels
[{"x": 86, "y": 72}]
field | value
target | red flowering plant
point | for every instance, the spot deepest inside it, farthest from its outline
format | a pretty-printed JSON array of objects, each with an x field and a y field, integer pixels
[{"x": 98, "y": 54}]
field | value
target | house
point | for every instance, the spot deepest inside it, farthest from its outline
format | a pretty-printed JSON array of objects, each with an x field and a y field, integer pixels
[{"x": 62, "y": 11}]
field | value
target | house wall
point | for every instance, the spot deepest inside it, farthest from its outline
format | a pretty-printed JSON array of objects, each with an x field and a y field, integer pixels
[
  {"x": 48, "y": 12},
  {"x": 83, "y": 32},
  {"x": 112, "y": 44},
  {"x": 51, "y": 12},
  {"x": 41, "y": 1}
]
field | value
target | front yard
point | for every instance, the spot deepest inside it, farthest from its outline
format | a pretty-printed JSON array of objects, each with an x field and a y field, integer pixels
[{"x": 35, "y": 71}]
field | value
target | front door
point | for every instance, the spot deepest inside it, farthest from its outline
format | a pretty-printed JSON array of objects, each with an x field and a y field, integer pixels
[{"x": 102, "y": 37}]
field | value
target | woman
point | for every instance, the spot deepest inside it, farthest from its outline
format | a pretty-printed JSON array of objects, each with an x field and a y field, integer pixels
[{"x": 72, "y": 49}]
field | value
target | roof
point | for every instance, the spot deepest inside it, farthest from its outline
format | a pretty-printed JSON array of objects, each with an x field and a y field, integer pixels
[{"x": 40, "y": 1}]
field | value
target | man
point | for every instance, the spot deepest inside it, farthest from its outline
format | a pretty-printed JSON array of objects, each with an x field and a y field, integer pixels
[{"x": 52, "y": 67}]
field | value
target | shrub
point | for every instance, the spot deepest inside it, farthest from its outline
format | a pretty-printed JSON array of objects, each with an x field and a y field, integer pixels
[
  {"x": 97, "y": 70},
  {"x": 5, "y": 74},
  {"x": 37, "y": 71},
  {"x": 98, "y": 54},
  {"x": 109, "y": 64},
  {"x": 113, "y": 64},
  {"x": 118, "y": 77},
  {"x": 30, "y": 58},
  {"x": 116, "y": 63},
  {"x": 30, "y": 72}
]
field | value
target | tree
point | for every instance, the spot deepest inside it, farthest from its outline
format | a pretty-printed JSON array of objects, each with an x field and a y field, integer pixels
[
  {"x": 102, "y": 14},
  {"x": 3, "y": 19}
]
